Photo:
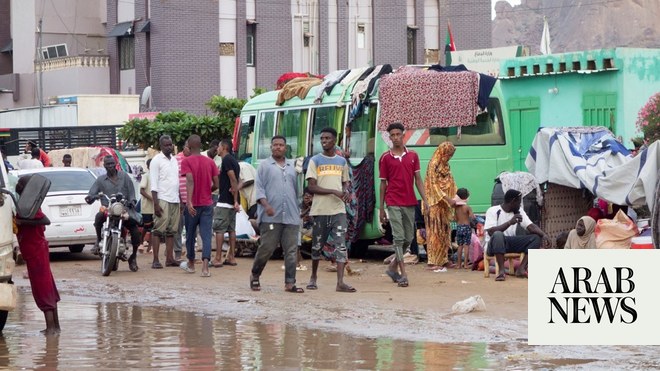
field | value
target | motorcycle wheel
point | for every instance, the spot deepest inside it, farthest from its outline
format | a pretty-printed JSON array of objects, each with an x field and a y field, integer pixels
[{"x": 109, "y": 258}]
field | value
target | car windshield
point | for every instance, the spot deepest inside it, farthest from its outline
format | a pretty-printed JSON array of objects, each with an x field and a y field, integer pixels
[{"x": 66, "y": 181}]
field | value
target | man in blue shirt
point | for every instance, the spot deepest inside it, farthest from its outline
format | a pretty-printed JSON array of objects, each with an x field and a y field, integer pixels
[{"x": 277, "y": 214}]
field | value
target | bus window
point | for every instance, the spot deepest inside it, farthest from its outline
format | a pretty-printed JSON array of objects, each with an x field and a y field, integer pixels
[
  {"x": 325, "y": 117},
  {"x": 361, "y": 141},
  {"x": 266, "y": 132},
  {"x": 292, "y": 125},
  {"x": 489, "y": 130},
  {"x": 245, "y": 144}
]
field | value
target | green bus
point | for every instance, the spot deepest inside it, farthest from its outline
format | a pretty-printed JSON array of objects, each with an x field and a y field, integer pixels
[{"x": 483, "y": 151}]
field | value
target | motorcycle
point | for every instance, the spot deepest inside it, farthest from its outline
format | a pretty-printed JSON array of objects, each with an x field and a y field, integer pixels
[{"x": 113, "y": 243}]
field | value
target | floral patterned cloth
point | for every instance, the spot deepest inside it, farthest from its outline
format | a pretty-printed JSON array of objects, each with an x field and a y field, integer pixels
[{"x": 422, "y": 99}]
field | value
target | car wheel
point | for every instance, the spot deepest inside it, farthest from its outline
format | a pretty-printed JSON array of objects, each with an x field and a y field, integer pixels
[
  {"x": 76, "y": 248},
  {"x": 3, "y": 319}
]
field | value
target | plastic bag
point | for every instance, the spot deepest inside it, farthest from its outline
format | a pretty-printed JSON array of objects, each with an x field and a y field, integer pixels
[
  {"x": 468, "y": 305},
  {"x": 243, "y": 225},
  {"x": 7, "y": 296},
  {"x": 615, "y": 233}
]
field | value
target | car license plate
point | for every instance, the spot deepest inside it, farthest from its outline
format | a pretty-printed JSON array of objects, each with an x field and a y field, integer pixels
[{"x": 70, "y": 210}]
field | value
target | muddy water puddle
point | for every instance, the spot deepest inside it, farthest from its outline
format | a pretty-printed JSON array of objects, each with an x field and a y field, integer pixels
[{"x": 104, "y": 336}]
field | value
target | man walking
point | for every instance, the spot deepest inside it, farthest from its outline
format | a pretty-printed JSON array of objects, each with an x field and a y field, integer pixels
[
  {"x": 327, "y": 177},
  {"x": 183, "y": 195},
  {"x": 224, "y": 214},
  {"x": 164, "y": 179},
  {"x": 201, "y": 179},
  {"x": 277, "y": 213},
  {"x": 399, "y": 169}
]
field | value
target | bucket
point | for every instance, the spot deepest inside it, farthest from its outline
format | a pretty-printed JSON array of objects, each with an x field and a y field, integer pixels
[{"x": 643, "y": 242}]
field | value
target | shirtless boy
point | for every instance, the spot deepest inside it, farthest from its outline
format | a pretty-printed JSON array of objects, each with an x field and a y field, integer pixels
[{"x": 464, "y": 215}]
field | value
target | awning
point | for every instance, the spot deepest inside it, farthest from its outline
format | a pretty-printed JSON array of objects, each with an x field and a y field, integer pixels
[
  {"x": 122, "y": 29},
  {"x": 8, "y": 48},
  {"x": 146, "y": 27}
]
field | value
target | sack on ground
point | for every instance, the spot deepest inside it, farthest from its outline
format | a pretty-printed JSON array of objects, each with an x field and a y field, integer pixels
[
  {"x": 7, "y": 296},
  {"x": 468, "y": 305},
  {"x": 616, "y": 233}
]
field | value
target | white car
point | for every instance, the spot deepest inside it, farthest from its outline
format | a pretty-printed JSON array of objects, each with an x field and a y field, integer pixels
[{"x": 71, "y": 218}]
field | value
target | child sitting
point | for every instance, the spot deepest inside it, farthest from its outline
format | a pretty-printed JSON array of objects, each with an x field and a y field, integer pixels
[{"x": 464, "y": 215}]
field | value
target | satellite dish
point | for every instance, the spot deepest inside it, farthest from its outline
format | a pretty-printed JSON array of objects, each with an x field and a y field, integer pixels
[{"x": 146, "y": 95}]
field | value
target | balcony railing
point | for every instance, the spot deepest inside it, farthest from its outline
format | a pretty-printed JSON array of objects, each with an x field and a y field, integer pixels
[{"x": 53, "y": 64}]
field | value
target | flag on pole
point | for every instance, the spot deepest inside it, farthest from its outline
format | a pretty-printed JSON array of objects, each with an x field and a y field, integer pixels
[
  {"x": 449, "y": 45},
  {"x": 545, "y": 38}
]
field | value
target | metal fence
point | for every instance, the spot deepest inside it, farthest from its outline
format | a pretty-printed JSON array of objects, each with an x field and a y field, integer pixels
[{"x": 59, "y": 138}]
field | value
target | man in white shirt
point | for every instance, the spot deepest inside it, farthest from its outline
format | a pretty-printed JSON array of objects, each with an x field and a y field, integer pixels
[
  {"x": 164, "y": 179},
  {"x": 501, "y": 232},
  {"x": 33, "y": 162}
]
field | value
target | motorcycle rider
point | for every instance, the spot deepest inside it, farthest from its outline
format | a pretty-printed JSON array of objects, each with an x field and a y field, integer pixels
[{"x": 110, "y": 184}]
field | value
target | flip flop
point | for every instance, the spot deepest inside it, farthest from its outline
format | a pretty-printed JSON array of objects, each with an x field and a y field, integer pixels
[
  {"x": 132, "y": 264},
  {"x": 215, "y": 265},
  {"x": 403, "y": 282},
  {"x": 295, "y": 290},
  {"x": 228, "y": 263},
  {"x": 205, "y": 274},
  {"x": 346, "y": 288},
  {"x": 254, "y": 284},
  {"x": 395, "y": 276},
  {"x": 172, "y": 264},
  {"x": 501, "y": 277},
  {"x": 156, "y": 265},
  {"x": 312, "y": 286},
  {"x": 440, "y": 270}
]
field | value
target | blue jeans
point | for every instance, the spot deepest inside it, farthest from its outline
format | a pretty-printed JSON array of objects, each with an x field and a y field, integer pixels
[{"x": 204, "y": 219}]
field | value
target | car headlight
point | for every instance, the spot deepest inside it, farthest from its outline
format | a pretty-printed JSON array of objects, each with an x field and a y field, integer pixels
[{"x": 116, "y": 209}]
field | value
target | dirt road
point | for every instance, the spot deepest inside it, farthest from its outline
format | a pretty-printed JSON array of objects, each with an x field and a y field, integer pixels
[{"x": 421, "y": 311}]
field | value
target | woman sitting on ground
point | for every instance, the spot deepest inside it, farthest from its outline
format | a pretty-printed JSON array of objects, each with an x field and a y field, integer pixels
[{"x": 583, "y": 236}]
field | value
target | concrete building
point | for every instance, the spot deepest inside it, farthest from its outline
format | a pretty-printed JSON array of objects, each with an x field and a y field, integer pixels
[
  {"x": 188, "y": 51},
  {"x": 50, "y": 48},
  {"x": 605, "y": 87}
]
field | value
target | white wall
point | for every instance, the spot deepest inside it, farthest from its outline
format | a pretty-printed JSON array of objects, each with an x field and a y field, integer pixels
[
  {"x": 305, "y": 58},
  {"x": 127, "y": 82},
  {"x": 23, "y": 33},
  {"x": 125, "y": 10},
  {"x": 332, "y": 36},
  {"x": 251, "y": 80},
  {"x": 410, "y": 12},
  {"x": 73, "y": 81},
  {"x": 359, "y": 46},
  {"x": 431, "y": 24},
  {"x": 227, "y": 34},
  {"x": 106, "y": 109}
]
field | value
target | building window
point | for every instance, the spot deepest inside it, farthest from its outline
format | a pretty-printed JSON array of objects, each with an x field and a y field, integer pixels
[
  {"x": 126, "y": 53},
  {"x": 251, "y": 31},
  {"x": 54, "y": 51},
  {"x": 412, "y": 45},
  {"x": 361, "y": 37}
]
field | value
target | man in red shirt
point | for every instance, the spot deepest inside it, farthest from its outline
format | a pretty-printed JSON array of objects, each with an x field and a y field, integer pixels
[
  {"x": 201, "y": 179},
  {"x": 399, "y": 169}
]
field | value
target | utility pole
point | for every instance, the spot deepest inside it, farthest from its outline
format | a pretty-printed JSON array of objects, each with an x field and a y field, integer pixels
[{"x": 40, "y": 58}]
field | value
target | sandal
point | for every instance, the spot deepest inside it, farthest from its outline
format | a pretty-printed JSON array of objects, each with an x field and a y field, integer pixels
[
  {"x": 229, "y": 263},
  {"x": 156, "y": 265},
  {"x": 205, "y": 274},
  {"x": 500, "y": 277},
  {"x": 294, "y": 289},
  {"x": 346, "y": 288},
  {"x": 312, "y": 286},
  {"x": 186, "y": 268},
  {"x": 132, "y": 263},
  {"x": 254, "y": 284},
  {"x": 403, "y": 282},
  {"x": 395, "y": 276}
]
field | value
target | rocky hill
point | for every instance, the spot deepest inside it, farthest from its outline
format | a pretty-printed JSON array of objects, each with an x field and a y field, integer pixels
[{"x": 578, "y": 24}]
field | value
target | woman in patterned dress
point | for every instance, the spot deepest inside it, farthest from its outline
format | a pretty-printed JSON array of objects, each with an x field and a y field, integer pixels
[{"x": 439, "y": 187}]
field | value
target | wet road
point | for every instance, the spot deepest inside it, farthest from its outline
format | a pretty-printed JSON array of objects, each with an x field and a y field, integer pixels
[{"x": 121, "y": 336}]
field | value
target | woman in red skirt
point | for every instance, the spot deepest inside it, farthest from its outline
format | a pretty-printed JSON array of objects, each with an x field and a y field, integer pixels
[{"x": 34, "y": 249}]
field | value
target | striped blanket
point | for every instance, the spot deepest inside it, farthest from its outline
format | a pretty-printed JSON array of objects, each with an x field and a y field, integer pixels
[{"x": 592, "y": 159}]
